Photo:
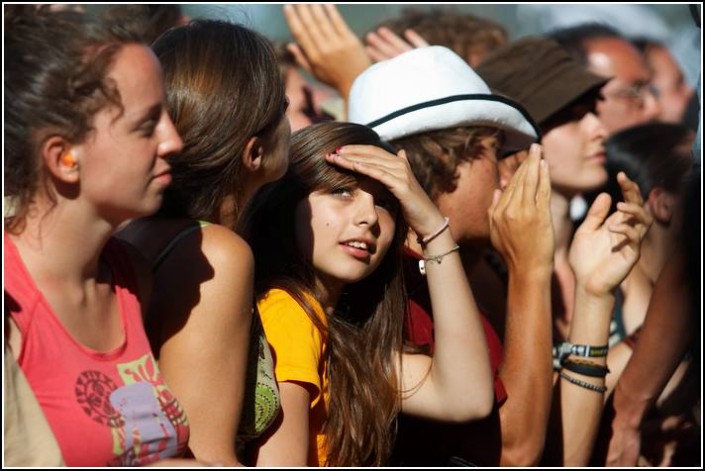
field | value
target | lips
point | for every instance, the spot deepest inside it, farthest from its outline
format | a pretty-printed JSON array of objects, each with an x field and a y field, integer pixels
[
  {"x": 164, "y": 177},
  {"x": 360, "y": 249}
]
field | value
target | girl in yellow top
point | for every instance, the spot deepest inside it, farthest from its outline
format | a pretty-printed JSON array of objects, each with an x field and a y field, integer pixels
[{"x": 328, "y": 241}]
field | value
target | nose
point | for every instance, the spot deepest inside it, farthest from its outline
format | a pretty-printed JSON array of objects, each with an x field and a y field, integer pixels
[
  {"x": 595, "y": 126},
  {"x": 170, "y": 142},
  {"x": 365, "y": 211}
]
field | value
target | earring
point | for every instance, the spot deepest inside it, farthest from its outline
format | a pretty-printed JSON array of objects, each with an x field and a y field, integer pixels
[{"x": 69, "y": 160}]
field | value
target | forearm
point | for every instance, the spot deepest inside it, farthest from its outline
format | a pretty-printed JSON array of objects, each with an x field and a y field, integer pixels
[
  {"x": 526, "y": 369},
  {"x": 581, "y": 407},
  {"x": 460, "y": 368},
  {"x": 663, "y": 340}
]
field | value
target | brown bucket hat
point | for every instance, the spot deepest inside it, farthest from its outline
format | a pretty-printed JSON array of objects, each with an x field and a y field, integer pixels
[{"x": 539, "y": 74}]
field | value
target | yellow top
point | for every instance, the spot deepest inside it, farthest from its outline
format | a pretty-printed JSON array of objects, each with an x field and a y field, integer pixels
[{"x": 299, "y": 355}]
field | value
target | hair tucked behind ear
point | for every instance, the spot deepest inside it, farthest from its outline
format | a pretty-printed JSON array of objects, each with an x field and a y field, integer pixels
[
  {"x": 223, "y": 87},
  {"x": 365, "y": 335}
]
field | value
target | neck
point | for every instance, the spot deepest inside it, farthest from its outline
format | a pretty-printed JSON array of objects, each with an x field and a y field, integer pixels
[
  {"x": 328, "y": 293},
  {"x": 233, "y": 205},
  {"x": 63, "y": 240}
]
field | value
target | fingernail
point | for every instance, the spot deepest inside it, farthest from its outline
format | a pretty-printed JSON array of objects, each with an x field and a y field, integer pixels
[{"x": 338, "y": 149}]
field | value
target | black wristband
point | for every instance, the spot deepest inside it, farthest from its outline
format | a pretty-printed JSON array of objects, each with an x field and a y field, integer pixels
[{"x": 586, "y": 368}]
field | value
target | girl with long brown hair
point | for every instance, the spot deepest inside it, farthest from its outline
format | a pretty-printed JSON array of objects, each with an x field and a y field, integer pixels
[{"x": 328, "y": 241}]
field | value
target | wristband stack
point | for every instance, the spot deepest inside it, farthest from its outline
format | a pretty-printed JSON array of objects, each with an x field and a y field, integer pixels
[{"x": 582, "y": 367}]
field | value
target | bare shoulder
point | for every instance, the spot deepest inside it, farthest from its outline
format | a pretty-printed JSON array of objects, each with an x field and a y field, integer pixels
[{"x": 225, "y": 248}]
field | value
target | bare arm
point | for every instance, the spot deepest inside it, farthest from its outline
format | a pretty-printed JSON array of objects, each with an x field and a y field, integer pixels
[
  {"x": 522, "y": 232},
  {"x": 667, "y": 331},
  {"x": 603, "y": 252},
  {"x": 456, "y": 384},
  {"x": 204, "y": 301},
  {"x": 286, "y": 443}
]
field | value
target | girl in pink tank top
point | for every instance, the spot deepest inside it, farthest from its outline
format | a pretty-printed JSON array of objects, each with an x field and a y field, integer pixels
[{"x": 84, "y": 153}]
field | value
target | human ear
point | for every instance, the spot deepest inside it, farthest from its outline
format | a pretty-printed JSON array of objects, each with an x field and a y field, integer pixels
[
  {"x": 661, "y": 204},
  {"x": 61, "y": 159},
  {"x": 253, "y": 154}
]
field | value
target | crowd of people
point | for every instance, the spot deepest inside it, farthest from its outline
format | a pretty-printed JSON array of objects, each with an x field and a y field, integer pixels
[{"x": 209, "y": 264}]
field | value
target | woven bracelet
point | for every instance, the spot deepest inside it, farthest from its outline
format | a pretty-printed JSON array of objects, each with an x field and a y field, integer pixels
[
  {"x": 586, "y": 368},
  {"x": 583, "y": 384}
]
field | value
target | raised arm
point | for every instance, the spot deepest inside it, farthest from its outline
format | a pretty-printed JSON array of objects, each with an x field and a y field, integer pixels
[
  {"x": 602, "y": 253},
  {"x": 325, "y": 46},
  {"x": 456, "y": 384},
  {"x": 204, "y": 301},
  {"x": 522, "y": 233}
]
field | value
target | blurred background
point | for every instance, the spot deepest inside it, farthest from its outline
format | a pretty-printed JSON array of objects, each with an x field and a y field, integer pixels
[{"x": 670, "y": 23}]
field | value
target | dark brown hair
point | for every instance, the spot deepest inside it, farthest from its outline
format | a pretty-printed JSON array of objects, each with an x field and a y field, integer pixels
[
  {"x": 434, "y": 156},
  {"x": 56, "y": 80},
  {"x": 365, "y": 335},
  {"x": 223, "y": 87}
]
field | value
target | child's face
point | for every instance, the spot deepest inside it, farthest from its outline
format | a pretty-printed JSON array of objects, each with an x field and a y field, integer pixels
[{"x": 346, "y": 232}]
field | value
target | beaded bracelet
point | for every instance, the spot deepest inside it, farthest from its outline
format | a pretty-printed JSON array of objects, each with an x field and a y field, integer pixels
[
  {"x": 435, "y": 258},
  {"x": 586, "y": 368},
  {"x": 581, "y": 383},
  {"x": 425, "y": 240}
]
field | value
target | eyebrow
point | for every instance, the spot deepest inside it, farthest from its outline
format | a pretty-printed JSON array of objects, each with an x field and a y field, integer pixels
[{"x": 150, "y": 113}]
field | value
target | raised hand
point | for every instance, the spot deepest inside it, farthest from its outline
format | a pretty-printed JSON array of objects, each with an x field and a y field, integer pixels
[
  {"x": 520, "y": 217},
  {"x": 604, "y": 249},
  {"x": 325, "y": 46},
  {"x": 394, "y": 172},
  {"x": 384, "y": 44}
]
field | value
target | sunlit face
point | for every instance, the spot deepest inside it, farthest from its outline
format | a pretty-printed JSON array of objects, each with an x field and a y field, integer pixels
[
  {"x": 629, "y": 99},
  {"x": 575, "y": 152},
  {"x": 674, "y": 93},
  {"x": 345, "y": 232},
  {"x": 467, "y": 205},
  {"x": 122, "y": 169}
]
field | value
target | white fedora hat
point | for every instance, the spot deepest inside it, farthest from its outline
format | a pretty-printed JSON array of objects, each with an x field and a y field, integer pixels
[{"x": 432, "y": 88}]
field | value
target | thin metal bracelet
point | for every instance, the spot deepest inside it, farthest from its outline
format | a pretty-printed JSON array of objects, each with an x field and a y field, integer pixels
[
  {"x": 435, "y": 258},
  {"x": 581, "y": 383}
]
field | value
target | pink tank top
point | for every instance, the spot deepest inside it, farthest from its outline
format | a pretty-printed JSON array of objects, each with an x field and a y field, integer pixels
[{"x": 105, "y": 409}]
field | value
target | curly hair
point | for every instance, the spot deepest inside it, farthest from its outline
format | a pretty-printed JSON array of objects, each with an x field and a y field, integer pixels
[
  {"x": 469, "y": 36},
  {"x": 434, "y": 156}
]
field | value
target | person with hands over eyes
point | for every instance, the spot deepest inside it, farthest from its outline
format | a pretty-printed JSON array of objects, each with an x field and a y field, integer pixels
[{"x": 333, "y": 303}]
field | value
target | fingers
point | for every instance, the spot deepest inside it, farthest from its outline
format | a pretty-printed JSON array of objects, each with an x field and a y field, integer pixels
[
  {"x": 337, "y": 21},
  {"x": 531, "y": 180},
  {"x": 630, "y": 190},
  {"x": 415, "y": 38},
  {"x": 597, "y": 212},
  {"x": 543, "y": 194},
  {"x": 384, "y": 44}
]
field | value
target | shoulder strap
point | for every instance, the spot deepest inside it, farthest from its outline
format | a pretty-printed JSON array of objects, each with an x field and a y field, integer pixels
[{"x": 179, "y": 237}]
